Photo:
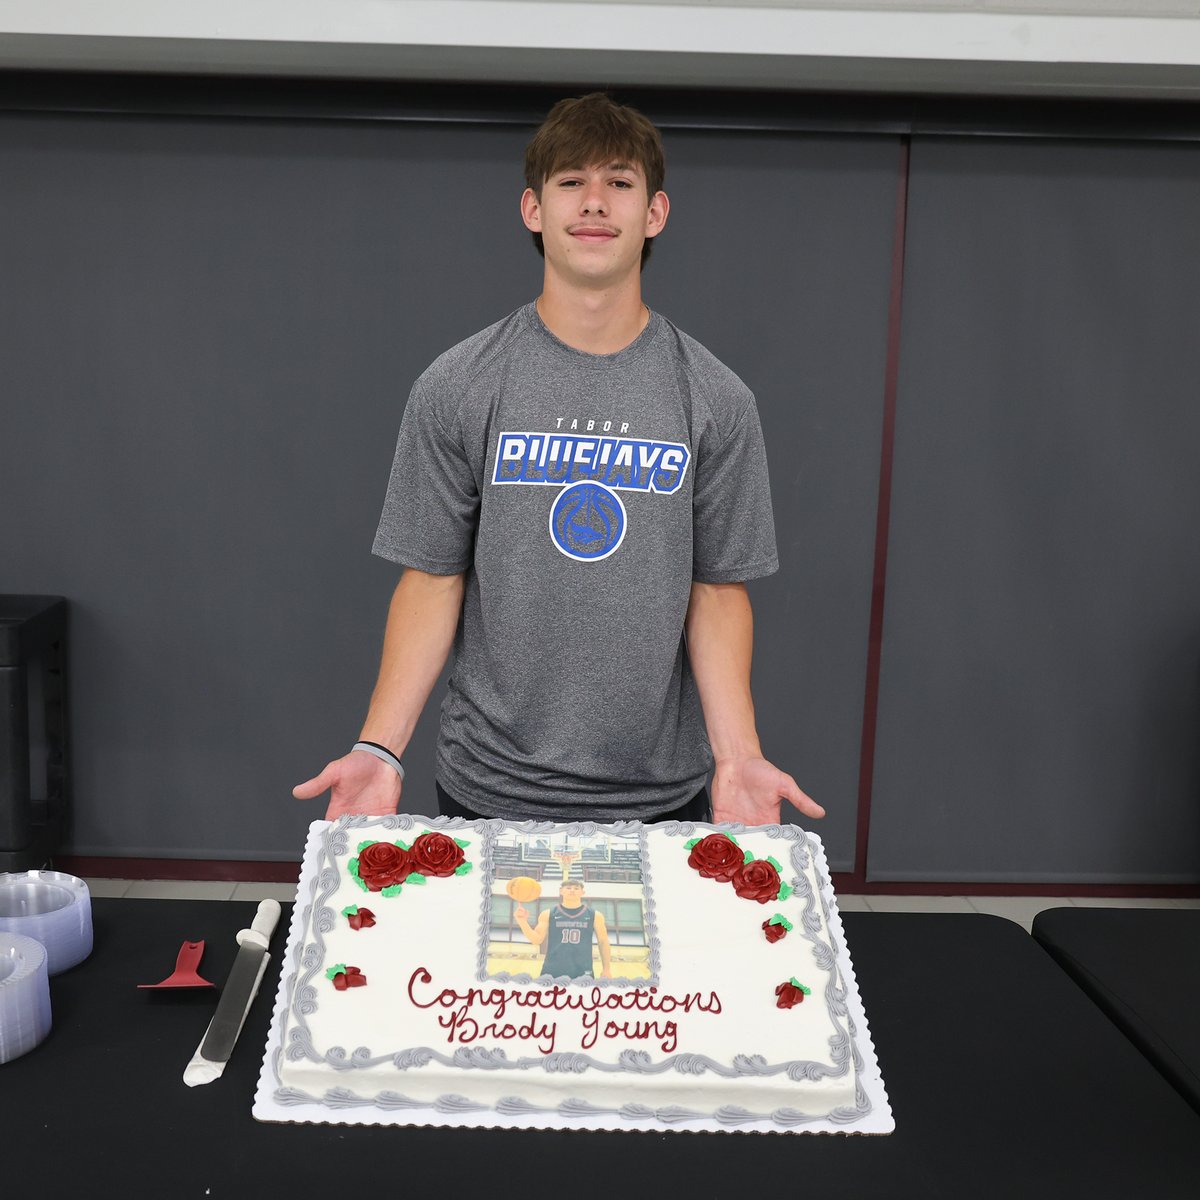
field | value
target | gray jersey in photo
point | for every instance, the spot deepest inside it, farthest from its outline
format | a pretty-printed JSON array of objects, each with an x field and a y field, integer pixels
[{"x": 581, "y": 494}]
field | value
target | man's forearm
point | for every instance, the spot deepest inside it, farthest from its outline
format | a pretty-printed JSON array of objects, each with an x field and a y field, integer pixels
[
  {"x": 720, "y": 635},
  {"x": 422, "y": 618},
  {"x": 720, "y": 643}
]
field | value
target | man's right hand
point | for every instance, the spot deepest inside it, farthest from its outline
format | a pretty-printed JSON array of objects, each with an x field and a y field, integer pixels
[{"x": 358, "y": 783}]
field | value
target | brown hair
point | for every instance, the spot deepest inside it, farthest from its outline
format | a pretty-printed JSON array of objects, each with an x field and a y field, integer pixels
[{"x": 588, "y": 130}]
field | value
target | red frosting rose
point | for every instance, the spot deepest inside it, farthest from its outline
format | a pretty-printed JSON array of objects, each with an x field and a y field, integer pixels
[
  {"x": 437, "y": 855},
  {"x": 351, "y": 977},
  {"x": 789, "y": 994},
  {"x": 384, "y": 864},
  {"x": 774, "y": 932},
  {"x": 757, "y": 880},
  {"x": 364, "y": 918},
  {"x": 716, "y": 857}
]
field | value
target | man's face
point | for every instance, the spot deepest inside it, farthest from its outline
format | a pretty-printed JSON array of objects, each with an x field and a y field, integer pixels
[
  {"x": 594, "y": 221},
  {"x": 572, "y": 895}
]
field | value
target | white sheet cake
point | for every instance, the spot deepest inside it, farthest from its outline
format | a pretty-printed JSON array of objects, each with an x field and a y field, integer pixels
[{"x": 730, "y": 1002}]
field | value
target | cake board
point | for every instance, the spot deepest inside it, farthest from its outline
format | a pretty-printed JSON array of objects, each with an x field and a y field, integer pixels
[{"x": 877, "y": 1120}]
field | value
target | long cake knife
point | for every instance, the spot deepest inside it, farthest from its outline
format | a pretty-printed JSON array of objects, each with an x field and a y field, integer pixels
[{"x": 236, "y": 997}]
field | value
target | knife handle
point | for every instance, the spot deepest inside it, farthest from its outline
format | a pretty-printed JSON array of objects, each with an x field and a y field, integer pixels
[{"x": 263, "y": 925}]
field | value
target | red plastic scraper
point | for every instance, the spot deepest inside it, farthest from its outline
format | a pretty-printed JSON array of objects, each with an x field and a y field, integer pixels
[{"x": 184, "y": 975}]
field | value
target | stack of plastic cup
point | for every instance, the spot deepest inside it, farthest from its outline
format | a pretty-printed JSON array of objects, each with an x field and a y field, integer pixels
[
  {"x": 24, "y": 995},
  {"x": 52, "y": 908}
]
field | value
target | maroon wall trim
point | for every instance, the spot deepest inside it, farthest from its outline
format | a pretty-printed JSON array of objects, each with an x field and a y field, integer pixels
[
  {"x": 847, "y": 884},
  {"x": 86, "y": 866},
  {"x": 856, "y": 880}
]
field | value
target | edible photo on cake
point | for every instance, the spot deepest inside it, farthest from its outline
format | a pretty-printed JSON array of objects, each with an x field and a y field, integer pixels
[{"x": 570, "y": 907}]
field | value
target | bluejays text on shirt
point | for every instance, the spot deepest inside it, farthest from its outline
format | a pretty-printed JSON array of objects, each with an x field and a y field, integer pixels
[{"x": 631, "y": 464}]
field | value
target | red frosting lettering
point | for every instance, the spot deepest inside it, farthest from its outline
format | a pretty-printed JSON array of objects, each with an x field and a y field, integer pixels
[{"x": 463, "y": 1026}]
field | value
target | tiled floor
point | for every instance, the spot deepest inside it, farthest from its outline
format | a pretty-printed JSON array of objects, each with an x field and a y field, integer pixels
[
  {"x": 1021, "y": 909},
  {"x": 205, "y": 889}
]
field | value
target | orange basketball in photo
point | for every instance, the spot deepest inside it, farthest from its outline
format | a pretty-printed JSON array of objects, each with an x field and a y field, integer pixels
[{"x": 523, "y": 889}]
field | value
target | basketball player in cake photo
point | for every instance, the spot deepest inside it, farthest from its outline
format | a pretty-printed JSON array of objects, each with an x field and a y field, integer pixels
[
  {"x": 578, "y": 496},
  {"x": 581, "y": 901},
  {"x": 568, "y": 930}
]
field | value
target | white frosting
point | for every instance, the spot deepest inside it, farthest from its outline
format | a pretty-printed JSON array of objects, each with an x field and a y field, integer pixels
[{"x": 613, "y": 1046}]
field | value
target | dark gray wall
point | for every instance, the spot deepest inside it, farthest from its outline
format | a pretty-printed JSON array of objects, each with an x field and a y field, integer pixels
[
  {"x": 209, "y": 328},
  {"x": 779, "y": 260},
  {"x": 1039, "y": 713}
]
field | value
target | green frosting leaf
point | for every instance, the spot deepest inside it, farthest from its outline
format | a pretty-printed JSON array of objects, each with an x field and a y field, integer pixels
[
  {"x": 465, "y": 869},
  {"x": 689, "y": 845},
  {"x": 336, "y": 969},
  {"x": 461, "y": 842},
  {"x": 734, "y": 840},
  {"x": 352, "y": 867},
  {"x": 796, "y": 983},
  {"x": 394, "y": 890},
  {"x": 748, "y": 857},
  {"x": 363, "y": 845},
  {"x": 774, "y": 863},
  {"x": 784, "y": 891},
  {"x": 415, "y": 877},
  {"x": 349, "y": 910},
  {"x": 780, "y": 919}
]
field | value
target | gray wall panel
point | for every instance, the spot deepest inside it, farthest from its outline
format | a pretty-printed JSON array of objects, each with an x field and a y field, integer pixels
[
  {"x": 1040, "y": 709},
  {"x": 778, "y": 257},
  {"x": 209, "y": 329}
]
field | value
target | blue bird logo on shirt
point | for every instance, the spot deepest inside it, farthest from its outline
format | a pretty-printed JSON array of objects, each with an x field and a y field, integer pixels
[{"x": 587, "y": 521}]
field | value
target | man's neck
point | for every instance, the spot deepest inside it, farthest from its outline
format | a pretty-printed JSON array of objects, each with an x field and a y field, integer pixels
[{"x": 597, "y": 322}]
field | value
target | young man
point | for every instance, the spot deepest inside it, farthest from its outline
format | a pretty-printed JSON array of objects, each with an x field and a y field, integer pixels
[
  {"x": 579, "y": 493},
  {"x": 571, "y": 926}
]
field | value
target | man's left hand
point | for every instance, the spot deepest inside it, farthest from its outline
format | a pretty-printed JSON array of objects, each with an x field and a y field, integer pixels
[{"x": 750, "y": 790}]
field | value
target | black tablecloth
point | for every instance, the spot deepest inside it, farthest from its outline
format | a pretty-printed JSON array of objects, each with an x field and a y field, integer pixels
[
  {"x": 1005, "y": 1081},
  {"x": 1142, "y": 967}
]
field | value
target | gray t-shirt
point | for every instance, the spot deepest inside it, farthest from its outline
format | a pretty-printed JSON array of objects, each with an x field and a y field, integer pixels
[{"x": 581, "y": 494}]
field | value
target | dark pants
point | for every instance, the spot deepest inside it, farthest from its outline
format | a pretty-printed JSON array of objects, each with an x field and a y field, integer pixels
[{"x": 696, "y": 809}]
